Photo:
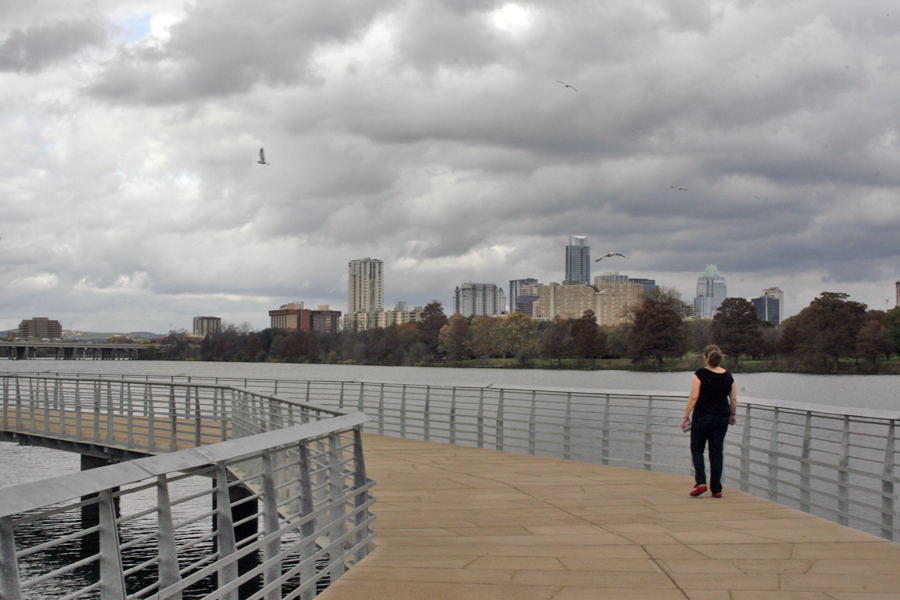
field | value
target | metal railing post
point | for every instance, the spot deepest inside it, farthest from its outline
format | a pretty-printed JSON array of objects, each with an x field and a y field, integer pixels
[
  {"x": 173, "y": 421},
  {"x": 745, "y": 451},
  {"x": 359, "y": 482},
  {"x": 360, "y": 405},
  {"x": 308, "y": 528},
  {"x": 498, "y": 431},
  {"x": 168, "y": 557},
  {"x": 648, "y": 435},
  {"x": 270, "y": 525},
  {"x": 887, "y": 485},
  {"x": 403, "y": 412},
  {"x": 426, "y": 418},
  {"x": 112, "y": 581},
  {"x": 228, "y": 572},
  {"x": 843, "y": 491},
  {"x": 96, "y": 435},
  {"x": 9, "y": 568},
  {"x": 805, "y": 449},
  {"x": 532, "y": 424},
  {"x": 773, "y": 456},
  {"x": 381, "y": 410},
  {"x": 604, "y": 434},
  {"x": 479, "y": 431},
  {"x": 335, "y": 491},
  {"x": 567, "y": 428},
  {"x": 453, "y": 415}
]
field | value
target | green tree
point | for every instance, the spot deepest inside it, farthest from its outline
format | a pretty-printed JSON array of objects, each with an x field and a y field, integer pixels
[
  {"x": 658, "y": 328},
  {"x": 429, "y": 326},
  {"x": 829, "y": 326},
  {"x": 735, "y": 329},
  {"x": 516, "y": 335},
  {"x": 454, "y": 338},
  {"x": 589, "y": 340}
]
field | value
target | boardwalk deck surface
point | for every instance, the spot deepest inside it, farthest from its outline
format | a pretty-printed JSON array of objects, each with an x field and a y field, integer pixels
[{"x": 466, "y": 523}]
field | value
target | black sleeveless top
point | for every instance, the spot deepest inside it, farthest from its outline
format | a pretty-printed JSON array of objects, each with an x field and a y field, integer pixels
[{"x": 714, "y": 390}]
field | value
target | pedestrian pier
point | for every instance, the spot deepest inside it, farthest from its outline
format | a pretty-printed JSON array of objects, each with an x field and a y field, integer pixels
[
  {"x": 462, "y": 523},
  {"x": 483, "y": 493}
]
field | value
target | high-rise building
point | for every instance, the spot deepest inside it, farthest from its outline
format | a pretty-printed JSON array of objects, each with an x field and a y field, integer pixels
[
  {"x": 295, "y": 316},
  {"x": 365, "y": 286},
  {"x": 711, "y": 292},
  {"x": 767, "y": 308},
  {"x": 207, "y": 325},
  {"x": 528, "y": 300},
  {"x": 40, "y": 327},
  {"x": 777, "y": 294},
  {"x": 612, "y": 298},
  {"x": 514, "y": 286},
  {"x": 578, "y": 260},
  {"x": 479, "y": 300}
]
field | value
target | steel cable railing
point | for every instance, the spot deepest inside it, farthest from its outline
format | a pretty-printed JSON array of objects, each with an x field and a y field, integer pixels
[{"x": 277, "y": 513}]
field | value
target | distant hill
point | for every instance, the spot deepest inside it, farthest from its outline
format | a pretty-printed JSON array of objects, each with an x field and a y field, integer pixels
[{"x": 90, "y": 336}]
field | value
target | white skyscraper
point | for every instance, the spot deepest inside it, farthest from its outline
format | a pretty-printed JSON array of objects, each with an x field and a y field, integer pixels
[
  {"x": 711, "y": 292},
  {"x": 365, "y": 286},
  {"x": 479, "y": 299}
]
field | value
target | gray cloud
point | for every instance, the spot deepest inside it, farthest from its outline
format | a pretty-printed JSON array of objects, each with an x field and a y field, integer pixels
[
  {"x": 434, "y": 135},
  {"x": 32, "y": 49}
]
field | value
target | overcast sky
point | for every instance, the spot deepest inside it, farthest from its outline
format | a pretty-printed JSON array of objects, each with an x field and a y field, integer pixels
[{"x": 435, "y": 136}]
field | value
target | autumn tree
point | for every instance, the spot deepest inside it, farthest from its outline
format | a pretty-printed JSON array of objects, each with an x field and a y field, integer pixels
[
  {"x": 589, "y": 340},
  {"x": 454, "y": 338},
  {"x": 516, "y": 335},
  {"x": 829, "y": 326},
  {"x": 482, "y": 332},
  {"x": 556, "y": 342},
  {"x": 735, "y": 329},
  {"x": 892, "y": 324},
  {"x": 658, "y": 328},
  {"x": 872, "y": 341}
]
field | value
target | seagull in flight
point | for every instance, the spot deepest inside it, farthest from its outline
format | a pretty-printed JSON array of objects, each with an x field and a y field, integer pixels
[
  {"x": 262, "y": 157},
  {"x": 566, "y": 84},
  {"x": 680, "y": 189},
  {"x": 609, "y": 254}
]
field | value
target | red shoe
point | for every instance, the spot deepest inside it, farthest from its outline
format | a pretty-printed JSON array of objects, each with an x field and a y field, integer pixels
[
  {"x": 698, "y": 489},
  {"x": 717, "y": 495}
]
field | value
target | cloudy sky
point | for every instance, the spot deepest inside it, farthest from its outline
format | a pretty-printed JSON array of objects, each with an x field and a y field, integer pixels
[{"x": 435, "y": 136}]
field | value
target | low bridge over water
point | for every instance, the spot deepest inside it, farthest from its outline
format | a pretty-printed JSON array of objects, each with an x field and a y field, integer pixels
[{"x": 24, "y": 350}]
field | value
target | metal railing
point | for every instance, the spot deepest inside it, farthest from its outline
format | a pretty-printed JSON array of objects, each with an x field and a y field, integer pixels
[
  {"x": 287, "y": 509},
  {"x": 840, "y": 464}
]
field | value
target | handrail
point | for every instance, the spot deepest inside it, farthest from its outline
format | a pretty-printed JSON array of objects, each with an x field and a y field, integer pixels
[
  {"x": 837, "y": 463},
  {"x": 291, "y": 492}
]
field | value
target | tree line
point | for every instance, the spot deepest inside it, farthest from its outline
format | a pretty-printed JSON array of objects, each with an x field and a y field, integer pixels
[{"x": 832, "y": 334}]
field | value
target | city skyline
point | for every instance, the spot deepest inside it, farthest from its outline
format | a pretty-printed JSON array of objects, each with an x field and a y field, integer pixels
[{"x": 762, "y": 137}]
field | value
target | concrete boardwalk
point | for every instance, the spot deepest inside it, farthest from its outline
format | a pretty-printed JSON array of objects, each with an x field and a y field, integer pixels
[{"x": 466, "y": 523}]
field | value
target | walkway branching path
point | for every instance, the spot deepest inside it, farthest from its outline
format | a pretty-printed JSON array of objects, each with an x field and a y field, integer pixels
[{"x": 469, "y": 523}]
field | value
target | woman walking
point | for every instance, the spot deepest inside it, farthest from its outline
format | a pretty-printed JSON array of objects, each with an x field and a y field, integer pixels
[{"x": 713, "y": 401}]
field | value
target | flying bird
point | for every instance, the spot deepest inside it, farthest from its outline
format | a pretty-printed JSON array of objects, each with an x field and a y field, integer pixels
[
  {"x": 609, "y": 254},
  {"x": 262, "y": 157},
  {"x": 680, "y": 189},
  {"x": 566, "y": 84}
]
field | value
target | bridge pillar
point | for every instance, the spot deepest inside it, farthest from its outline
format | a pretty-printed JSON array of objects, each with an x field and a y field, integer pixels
[{"x": 90, "y": 514}]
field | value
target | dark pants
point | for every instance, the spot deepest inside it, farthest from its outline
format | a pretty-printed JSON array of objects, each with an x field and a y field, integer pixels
[{"x": 708, "y": 429}]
